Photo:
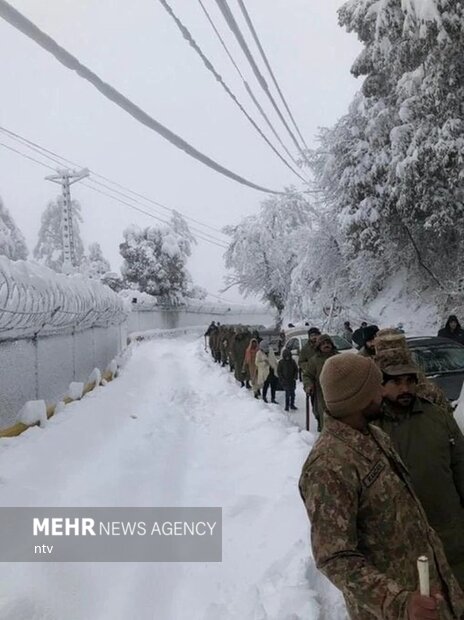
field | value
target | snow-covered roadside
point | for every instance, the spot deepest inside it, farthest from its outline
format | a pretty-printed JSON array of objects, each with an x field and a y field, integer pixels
[{"x": 174, "y": 429}]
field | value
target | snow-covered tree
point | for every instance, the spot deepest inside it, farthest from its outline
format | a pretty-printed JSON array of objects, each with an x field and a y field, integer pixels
[
  {"x": 155, "y": 260},
  {"x": 12, "y": 242},
  {"x": 265, "y": 248},
  {"x": 49, "y": 248},
  {"x": 95, "y": 265},
  {"x": 390, "y": 170},
  {"x": 114, "y": 281}
]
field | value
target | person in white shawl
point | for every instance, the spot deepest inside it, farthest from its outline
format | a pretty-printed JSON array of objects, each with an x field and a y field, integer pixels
[{"x": 266, "y": 365}]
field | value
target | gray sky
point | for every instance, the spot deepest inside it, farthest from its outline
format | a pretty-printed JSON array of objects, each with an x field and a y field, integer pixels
[{"x": 136, "y": 47}]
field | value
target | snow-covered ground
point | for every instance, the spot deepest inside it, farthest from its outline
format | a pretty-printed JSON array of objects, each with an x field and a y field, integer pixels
[{"x": 172, "y": 430}]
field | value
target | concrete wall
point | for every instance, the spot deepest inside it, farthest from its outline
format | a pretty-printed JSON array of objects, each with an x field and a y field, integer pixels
[
  {"x": 43, "y": 368},
  {"x": 145, "y": 320}
]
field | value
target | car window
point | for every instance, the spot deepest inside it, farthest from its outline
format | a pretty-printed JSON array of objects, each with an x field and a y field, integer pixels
[
  {"x": 439, "y": 359},
  {"x": 341, "y": 343}
]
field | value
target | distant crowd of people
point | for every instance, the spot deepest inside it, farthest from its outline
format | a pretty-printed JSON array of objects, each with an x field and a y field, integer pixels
[{"x": 253, "y": 361}]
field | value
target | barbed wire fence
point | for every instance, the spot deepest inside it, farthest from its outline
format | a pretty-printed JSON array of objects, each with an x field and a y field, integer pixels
[
  {"x": 33, "y": 302},
  {"x": 54, "y": 329}
]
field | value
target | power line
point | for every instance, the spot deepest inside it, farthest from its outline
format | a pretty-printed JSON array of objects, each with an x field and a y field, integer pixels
[
  {"x": 28, "y": 28},
  {"x": 231, "y": 22},
  {"x": 246, "y": 85},
  {"x": 98, "y": 183},
  {"x": 10, "y": 148},
  {"x": 131, "y": 206},
  {"x": 208, "y": 64},
  {"x": 269, "y": 68},
  {"x": 59, "y": 159}
]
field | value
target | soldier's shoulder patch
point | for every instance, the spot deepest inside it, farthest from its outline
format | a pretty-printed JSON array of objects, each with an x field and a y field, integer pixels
[{"x": 374, "y": 474}]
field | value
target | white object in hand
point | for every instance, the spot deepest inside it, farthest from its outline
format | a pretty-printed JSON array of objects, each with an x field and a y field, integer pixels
[{"x": 424, "y": 580}]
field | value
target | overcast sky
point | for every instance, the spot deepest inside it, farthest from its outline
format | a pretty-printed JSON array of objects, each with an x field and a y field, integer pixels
[{"x": 136, "y": 47}]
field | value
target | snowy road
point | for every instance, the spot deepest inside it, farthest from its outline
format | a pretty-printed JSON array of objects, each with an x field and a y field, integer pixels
[{"x": 172, "y": 430}]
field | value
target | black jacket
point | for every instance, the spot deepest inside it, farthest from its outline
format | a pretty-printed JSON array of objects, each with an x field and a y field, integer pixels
[{"x": 287, "y": 371}]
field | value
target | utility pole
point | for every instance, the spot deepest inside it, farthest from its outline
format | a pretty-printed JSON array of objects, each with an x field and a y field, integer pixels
[{"x": 66, "y": 178}]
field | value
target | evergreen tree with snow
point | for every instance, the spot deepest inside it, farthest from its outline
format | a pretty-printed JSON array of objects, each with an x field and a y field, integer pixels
[
  {"x": 12, "y": 242},
  {"x": 95, "y": 265},
  {"x": 49, "y": 248},
  {"x": 155, "y": 260},
  {"x": 265, "y": 248}
]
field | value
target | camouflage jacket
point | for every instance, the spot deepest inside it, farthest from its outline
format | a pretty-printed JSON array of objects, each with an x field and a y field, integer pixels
[{"x": 368, "y": 527}]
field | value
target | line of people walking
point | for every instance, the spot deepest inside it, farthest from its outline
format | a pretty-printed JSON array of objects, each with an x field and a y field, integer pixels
[{"x": 254, "y": 363}]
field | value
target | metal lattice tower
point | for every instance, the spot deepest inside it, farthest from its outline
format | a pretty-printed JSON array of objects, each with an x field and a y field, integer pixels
[{"x": 66, "y": 178}]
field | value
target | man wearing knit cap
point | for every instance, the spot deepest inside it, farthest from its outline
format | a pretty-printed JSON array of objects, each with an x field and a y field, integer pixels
[
  {"x": 369, "y": 334},
  {"x": 325, "y": 349},
  {"x": 431, "y": 445},
  {"x": 367, "y": 525}
]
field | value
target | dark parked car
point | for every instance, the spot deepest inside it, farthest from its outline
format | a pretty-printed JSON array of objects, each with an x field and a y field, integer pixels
[{"x": 442, "y": 360}]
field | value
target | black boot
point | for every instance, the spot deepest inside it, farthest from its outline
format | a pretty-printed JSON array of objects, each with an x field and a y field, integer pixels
[
  {"x": 242, "y": 384},
  {"x": 265, "y": 399},
  {"x": 248, "y": 386}
]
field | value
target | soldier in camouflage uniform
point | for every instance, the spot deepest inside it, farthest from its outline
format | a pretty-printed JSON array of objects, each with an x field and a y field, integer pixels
[
  {"x": 308, "y": 350},
  {"x": 210, "y": 334},
  {"x": 239, "y": 347},
  {"x": 367, "y": 526},
  {"x": 325, "y": 349},
  {"x": 224, "y": 347},
  {"x": 230, "y": 350}
]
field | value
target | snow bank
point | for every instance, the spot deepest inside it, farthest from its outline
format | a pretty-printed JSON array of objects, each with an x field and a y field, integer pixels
[
  {"x": 400, "y": 303},
  {"x": 35, "y": 299},
  {"x": 95, "y": 376},
  {"x": 33, "y": 412},
  {"x": 75, "y": 390}
]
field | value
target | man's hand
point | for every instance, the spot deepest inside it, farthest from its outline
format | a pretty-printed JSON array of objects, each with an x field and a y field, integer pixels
[
  {"x": 309, "y": 389},
  {"x": 424, "y": 607}
]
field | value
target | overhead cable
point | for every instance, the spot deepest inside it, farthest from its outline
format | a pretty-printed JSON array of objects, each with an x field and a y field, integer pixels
[
  {"x": 246, "y": 85},
  {"x": 250, "y": 25},
  {"x": 131, "y": 206},
  {"x": 10, "y": 148},
  {"x": 208, "y": 64},
  {"x": 234, "y": 27},
  {"x": 28, "y": 28},
  {"x": 59, "y": 159},
  {"x": 135, "y": 208}
]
